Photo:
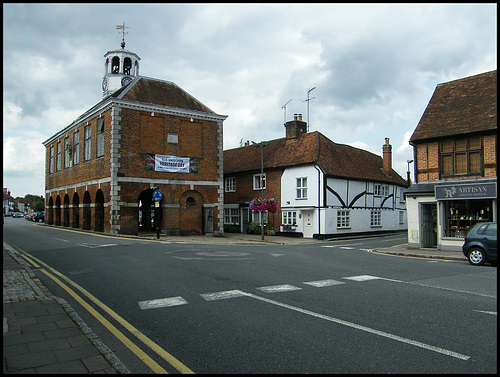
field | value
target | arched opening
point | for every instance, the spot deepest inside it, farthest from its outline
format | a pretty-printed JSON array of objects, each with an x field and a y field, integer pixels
[
  {"x": 99, "y": 211},
  {"x": 58, "y": 210},
  {"x": 50, "y": 212},
  {"x": 146, "y": 214},
  {"x": 86, "y": 211},
  {"x": 191, "y": 213},
  {"x": 115, "y": 65},
  {"x": 66, "y": 210},
  {"x": 127, "y": 66},
  {"x": 76, "y": 210}
]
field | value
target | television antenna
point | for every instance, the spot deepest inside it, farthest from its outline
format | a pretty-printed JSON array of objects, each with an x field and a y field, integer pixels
[
  {"x": 122, "y": 28},
  {"x": 284, "y": 107},
  {"x": 307, "y": 100}
]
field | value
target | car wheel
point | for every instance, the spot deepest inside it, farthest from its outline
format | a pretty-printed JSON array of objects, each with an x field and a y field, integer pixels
[
  {"x": 40, "y": 220},
  {"x": 476, "y": 256}
]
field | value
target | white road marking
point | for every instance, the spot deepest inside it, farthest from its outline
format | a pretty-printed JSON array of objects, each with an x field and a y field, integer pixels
[
  {"x": 364, "y": 328},
  {"x": 347, "y": 248},
  {"x": 222, "y": 295},
  {"x": 60, "y": 239},
  {"x": 369, "y": 277},
  {"x": 162, "y": 303},
  {"x": 278, "y": 288},
  {"x": 94, "y": 246},
  {"x": 323, "y": 283},
  {"x": 276, "y": 254},
  {"x": 486, "y": 312}
]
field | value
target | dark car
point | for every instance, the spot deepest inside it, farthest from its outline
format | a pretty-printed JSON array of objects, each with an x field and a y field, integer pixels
[
  {"x": 481, "y": 243},
  {"x": 39, "y": 217}
]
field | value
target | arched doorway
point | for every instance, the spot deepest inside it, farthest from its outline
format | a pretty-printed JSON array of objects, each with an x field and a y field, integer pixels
[
  {"x": 76, "y": 210},
  {"x": 50, "y": 212},
  {"x": 66, "y": 210},
  {"x": 99, "y": 211},
  {"x": 86, "y": 211},
  {"x": 191, "y": 213},
  {"x": 146, "y": 214},
  {"x": 58, "y": 210}
]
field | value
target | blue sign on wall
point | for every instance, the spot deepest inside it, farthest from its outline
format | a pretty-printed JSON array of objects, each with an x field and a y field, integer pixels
[{"x": 157, "y": 195}]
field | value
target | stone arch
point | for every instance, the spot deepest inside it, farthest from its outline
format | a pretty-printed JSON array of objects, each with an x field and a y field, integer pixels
[
  {"x": 58, "y": 210},
  {"x": 146, "y": 213},
  {"x": 76, "y": 210},
  {"x": 115, "y": 64},
  {"x": 65, "y": 221},
  {"x": 86, "y": 211},
  {"x": 99, "y": 211},
  {"x": 191, "y": 213},
  {"x": 50, "y": 211}
]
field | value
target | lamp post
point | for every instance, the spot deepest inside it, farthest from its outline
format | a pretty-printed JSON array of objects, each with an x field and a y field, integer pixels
[
  {"x": 262, "y": 144},
  {"x": 408, "y": 172}
]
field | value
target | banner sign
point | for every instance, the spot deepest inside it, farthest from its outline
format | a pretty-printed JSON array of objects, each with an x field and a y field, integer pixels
[
  {"x": 171, "y": 164},
  {"x": 475, "y": 191}
]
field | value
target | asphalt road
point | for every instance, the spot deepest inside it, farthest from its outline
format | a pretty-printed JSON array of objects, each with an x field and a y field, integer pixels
[{"x": 330, "y": 307}]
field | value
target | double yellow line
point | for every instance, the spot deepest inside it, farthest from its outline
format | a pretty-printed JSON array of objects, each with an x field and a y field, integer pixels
[{"x": 155, "y": 367}]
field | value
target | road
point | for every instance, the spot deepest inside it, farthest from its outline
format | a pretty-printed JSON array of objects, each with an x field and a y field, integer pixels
[{"x": 325, "y": 307}]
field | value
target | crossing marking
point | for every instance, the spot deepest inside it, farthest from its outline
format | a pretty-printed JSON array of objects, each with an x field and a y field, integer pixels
[
  {"x": 323, "y": 283},
  {"x": 279, "y": 288},
  {"x": 222, "y": 295},
  {"x": 162, "y": 303}
]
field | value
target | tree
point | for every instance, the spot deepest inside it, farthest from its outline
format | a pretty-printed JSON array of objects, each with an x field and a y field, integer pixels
[{"x": 39, "y": 205}]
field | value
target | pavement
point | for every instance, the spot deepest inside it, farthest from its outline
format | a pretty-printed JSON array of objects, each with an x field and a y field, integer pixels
[{"x": 44, "y": 334}]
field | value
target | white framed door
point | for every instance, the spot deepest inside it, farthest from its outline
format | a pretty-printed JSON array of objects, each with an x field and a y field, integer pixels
[{"x": 308, "y": 224}]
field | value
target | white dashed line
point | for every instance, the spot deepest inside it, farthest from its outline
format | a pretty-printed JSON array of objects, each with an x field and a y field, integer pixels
[
  {"x": 162, "y": 303},
  {"x": 279, "y": 288},
  {"x": 324, "y": 283},
  {"x": 222, "y": 295}
]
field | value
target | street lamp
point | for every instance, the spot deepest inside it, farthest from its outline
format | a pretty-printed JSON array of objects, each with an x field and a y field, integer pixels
[
  {"x": 262, "y": 144},
  {"x": 408, "y": 172}
]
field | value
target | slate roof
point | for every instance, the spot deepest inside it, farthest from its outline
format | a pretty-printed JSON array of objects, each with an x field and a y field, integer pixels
[
  {"x": 336, "y": 160},
  {"x": 460, "y": 107},
  {"x": 159, "y": 92}
]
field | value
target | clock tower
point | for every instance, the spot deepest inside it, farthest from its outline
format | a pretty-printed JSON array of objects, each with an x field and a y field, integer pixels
[{"x": 120, "y": 67}]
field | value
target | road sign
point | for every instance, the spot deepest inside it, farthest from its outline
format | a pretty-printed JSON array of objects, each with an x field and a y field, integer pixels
[{"x": 157, "y": 195}]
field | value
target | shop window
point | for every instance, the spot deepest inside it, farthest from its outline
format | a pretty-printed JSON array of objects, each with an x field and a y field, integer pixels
[
  {"x": 461, "y": 215},
  {"x": 231, "y": 216}
]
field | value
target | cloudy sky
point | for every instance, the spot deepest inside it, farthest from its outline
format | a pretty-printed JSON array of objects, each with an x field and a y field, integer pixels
[{"x": 374, "y": 67}]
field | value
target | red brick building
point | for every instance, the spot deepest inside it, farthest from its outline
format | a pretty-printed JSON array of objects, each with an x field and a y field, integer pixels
[
  {"x": 149, "y": 134},
  {"x": 455, "y": 163}
]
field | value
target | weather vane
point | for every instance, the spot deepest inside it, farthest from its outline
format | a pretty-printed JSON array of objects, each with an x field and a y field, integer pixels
[{"x": 122, "y": 28}]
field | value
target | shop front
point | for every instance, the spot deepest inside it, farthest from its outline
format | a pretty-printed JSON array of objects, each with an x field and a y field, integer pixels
[{"x": 441, "y": 214}]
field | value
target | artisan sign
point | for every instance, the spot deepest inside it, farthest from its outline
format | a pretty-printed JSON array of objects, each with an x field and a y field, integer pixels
[{"x": 474, "y": 191}]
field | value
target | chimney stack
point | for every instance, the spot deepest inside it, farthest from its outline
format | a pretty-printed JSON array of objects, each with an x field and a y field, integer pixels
[
  {"x": 387, "y": 156},
  {"x": 295, "y": 127}
]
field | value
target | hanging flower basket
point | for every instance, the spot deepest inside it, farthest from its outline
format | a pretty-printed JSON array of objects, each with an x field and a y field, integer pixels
[{"x": 262, "y": 205}]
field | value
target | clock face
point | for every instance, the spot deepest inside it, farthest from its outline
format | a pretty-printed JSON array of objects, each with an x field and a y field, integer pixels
[
  {"x": 104, "y": 84},
  {"x": 126, "y": 80}
]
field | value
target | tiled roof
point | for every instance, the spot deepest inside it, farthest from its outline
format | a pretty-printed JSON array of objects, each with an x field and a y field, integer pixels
[
  {"x": 334, "y": 159},
  {"x": 159, "y": 92},
  {"x": 460, "y": 107}
]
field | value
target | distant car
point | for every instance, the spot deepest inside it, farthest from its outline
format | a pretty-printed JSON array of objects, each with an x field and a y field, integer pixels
[
  {"x": 39, "y": 217},
  {"x": 481, "y": 244},
  {"x": 18, "y": 214}
]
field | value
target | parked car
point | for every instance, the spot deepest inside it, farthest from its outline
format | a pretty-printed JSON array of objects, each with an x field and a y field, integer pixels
[
  {"x": 18, "y": 214},
  {"x": 481, "y": 243},
  {"x": 30, "y": 216},
  {"x": 39, "y": 217}
]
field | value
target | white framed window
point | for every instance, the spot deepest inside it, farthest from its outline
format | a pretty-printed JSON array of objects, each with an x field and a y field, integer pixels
[
  {"x": 289, "y": 218},
  {"x": 67, "y": 153},
  {"x": 230, "y": 184},
  {"x": 401, "y": 217},
  {"x": 86, "y": 146},
  {"x": 58, "y": 157},
  {"x": 100, "y": 137},
  {"x": 76, "y": 148},
  {"x": 231, "y": 216},
  {"x": 301, "y": 188},
  {"x": 51, "y": 165},
  {"x": 259, "y": 181},
  {"x": 376, "y": 218},
  {"x": 343, "y": 219},
  {"x": 381, "y": 190}
]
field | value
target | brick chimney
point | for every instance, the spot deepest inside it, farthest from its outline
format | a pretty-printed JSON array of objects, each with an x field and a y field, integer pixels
[
  {"x": 387, "y": 156},
  {"x": 295, "y": 127}
]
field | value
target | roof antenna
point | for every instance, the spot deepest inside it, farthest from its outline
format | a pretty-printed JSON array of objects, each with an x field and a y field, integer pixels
[
  {"x": 307, "y": 100},
  {"x": 122, "y": 28},
  {"x": 284, "y": 107}
]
